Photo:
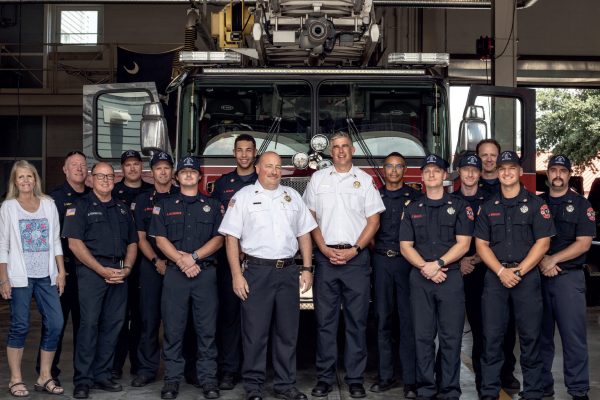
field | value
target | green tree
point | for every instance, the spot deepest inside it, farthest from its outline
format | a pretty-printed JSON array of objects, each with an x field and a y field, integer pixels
[{"x": 568, "y": 122}]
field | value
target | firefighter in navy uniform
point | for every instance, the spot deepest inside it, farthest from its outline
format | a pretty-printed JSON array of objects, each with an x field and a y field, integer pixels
[
  {"x": 229, "y": 340},
  {"x": 435, "y": 233},
  {"x": 563, "y": 281},
  {"x": 270, "y": 223},
  {"x": 75, "y": 169},
  {"x": 391, "y": 273},
  {"x": 153, "y": 264},
  {"x": 488, "y": 150},
  {"x": 126, "y": 191},
  {"x": 185, "y": 227},
  {"x": 512, "y": 233},
  {"x": 471, "y": 267},
  {"x": 102, "y": 236}
]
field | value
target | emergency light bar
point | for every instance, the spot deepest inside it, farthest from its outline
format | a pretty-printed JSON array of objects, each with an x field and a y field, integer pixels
[
  {"x": 209, "y": 57},
  {"x": 437, "y": 59}
]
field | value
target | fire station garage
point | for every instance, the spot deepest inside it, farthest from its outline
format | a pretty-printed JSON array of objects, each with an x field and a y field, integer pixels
[{"x": 181, "y": 83}]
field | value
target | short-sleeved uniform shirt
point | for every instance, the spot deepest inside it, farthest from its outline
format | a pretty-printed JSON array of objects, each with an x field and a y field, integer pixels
[
  {"x": 64, "y": 196},
  {"x": 342, "y": 203},
  {"x": 143, "y": 205},
  {"x": 573, "y": 216},
  {"x": 434, "y": 224},
  {"x": 228, "y": 185},
  {"x": 475, "y": 202},
  {"x": 106, "y": 229},
  {"x": 188, "y": 222},
  {"x": 267, "y": 222},
  {"x": 512, "y": 226},
  {"x": 127, "y": 194},
  {"x": 395, "y": 201}
]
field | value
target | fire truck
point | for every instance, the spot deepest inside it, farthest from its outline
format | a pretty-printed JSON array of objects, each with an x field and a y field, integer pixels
[{"x": 290, "y": 73}]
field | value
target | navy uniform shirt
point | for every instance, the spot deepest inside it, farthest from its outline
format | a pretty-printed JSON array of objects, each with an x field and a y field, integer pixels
[
  {"x": 395, "y": 202},
  {"x": 228, "y": 185},
  {"x": 434, "y": 224},
  {"x": 106, "y": 229},
  {"x": 475, "y": 202},
  {"x": 188, "y": 222},
  {"x": 143, "y": 205},
  {"x": 127, "y": 194},
  {"x": 490, "y": 186},
  {"x": 512, "y": 226},
  {"x": 573, "y": 216},
  {"x": 64, "y": 196}
]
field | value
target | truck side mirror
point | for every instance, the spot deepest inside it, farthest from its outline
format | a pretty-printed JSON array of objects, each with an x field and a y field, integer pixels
[
  {"x": 153, "y": 129},
  {"x": 472, "y": 129}
]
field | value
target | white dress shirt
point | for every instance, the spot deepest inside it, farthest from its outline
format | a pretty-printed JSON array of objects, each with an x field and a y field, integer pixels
[
  {"x": 342, "y": 203},
  {"x": 267, "y": 223}
]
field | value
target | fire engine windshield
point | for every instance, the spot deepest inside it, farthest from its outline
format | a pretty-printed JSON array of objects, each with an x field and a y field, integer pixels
[
  {"x": 404, "y": 117},
  {"x": 218, "y": 113}
]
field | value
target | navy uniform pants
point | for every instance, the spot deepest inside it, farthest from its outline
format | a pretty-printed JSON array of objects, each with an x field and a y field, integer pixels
[
  {"x": 473, "y": 283},
  {"x": 129, "y": 337},
  {"x": 179, "y": 292},
  {"x": 565, "y": 307},
  {"x": 151, "y": 283},
  {"x": 272, "y": 305},
  {"x": 102, "y": 308},
  {"x": 526, "y": 298},
  {"x": 392, "y": 295},
  {"x": 438, "y": 309},
  {"x": 344, "y": 287},
  {"x": 69, "y": 303},
  {"x": 229, "y": 336}
]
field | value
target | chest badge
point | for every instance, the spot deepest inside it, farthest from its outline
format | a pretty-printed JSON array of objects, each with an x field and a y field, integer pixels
[
  {"x": 356, "y": 184},
  {"x": 570, "y": 208},
  {"x": 524, "y": 209},
  {"x": 206, "y": 208},
  {"x": 287, "y": 198},
  {"x": 451, "y": 210}
]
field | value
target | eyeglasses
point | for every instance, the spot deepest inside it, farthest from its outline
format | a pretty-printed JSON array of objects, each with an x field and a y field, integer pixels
[
  {"x": 104, "y": 177},
  {"x": 399, "y": 167}
]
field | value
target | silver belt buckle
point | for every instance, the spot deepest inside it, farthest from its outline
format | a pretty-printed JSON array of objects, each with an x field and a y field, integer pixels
[
  {"x": 279, "y": 264},
  {"x": 390, "y": 253}
]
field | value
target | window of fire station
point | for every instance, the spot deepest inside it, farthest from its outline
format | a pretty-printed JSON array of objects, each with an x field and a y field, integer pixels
[
  {"x": 407, "y": 117},
  {"x": 213, "y": 115}
]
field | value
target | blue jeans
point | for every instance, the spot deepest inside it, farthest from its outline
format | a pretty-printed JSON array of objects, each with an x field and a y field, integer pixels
[{"x": 48, "y": 303}]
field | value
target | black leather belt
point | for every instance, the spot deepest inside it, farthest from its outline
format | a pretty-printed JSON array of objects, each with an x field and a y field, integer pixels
[
  {"x": 108, "y": 260},
  {"x": 340, "y": 246},
  {"x": 510, "y": 264},
  {"x": 388, "y": 253},
  {"x": 280, "y": 263},
  {"x": 201, "y": 264}
]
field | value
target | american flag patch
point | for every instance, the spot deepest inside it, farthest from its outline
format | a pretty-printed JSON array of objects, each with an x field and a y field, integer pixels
[
  {"x": 156, "y": 210},
  {"x": 231, "y": 203},
  {"x": 70, "y": 212}
]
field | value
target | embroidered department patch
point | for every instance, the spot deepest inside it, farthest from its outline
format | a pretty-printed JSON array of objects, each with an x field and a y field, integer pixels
[
  {"x": 470, "y": 213},
  {"x": 545, "y": 211},
  {"x": 591, "y": 214}
]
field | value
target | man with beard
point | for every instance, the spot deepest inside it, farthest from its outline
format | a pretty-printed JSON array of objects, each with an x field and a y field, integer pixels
[
  {"x": 126, "y": 191},
  {"x": 563, "y": 281},
  {"x": 269, "y": 222},
  {"x": 512, "y": 235},
  {"x": 228, "y": 328},
  {"x": 391, "y": 289}
]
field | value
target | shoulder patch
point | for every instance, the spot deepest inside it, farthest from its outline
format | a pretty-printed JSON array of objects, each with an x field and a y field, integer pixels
[
  {"x": 231, "y": 203},
  {"x": 470, "y": 213},
  {"x": 591, "y": 214},
  {"x": 156, "y": 210},
  {"x": 545, "y": 211},
  {"x": 222, "y": 209},
  {"x": 70, "y": 212}
]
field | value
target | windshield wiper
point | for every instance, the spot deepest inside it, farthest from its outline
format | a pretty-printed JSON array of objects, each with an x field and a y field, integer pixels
[
  {"x": 272, "y": 132},
  {"x": 354, "y": 132}
]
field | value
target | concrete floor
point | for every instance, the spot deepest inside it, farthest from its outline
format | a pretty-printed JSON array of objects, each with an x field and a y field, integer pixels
[{"x": 306, "y": 376}]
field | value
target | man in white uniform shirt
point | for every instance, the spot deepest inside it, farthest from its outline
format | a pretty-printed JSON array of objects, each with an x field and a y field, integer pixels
[
  {"x": 346, "y": 204},
  {"x": 269, "y": 222}
]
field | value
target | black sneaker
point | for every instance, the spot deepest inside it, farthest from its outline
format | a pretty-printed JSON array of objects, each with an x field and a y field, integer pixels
[
  {"x": 228, "y": 382},
  {"x": 169, "y": 391},
  {"x": 291, "y": 394},
  {"x": 210, "y": 391}
]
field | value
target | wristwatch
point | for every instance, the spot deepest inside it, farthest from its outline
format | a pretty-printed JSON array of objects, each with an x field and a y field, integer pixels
[
  {"x": 310, "y": 269},
  {"x": 195, "y": 256},
  {"x": 357, "y": 247},
  {"x": 441, "y": 262}
]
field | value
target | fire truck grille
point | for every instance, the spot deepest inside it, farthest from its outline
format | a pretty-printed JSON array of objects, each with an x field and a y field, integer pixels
[{"x": 296, "y": 183}]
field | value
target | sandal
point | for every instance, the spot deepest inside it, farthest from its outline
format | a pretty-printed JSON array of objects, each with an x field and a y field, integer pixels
[
  {"x": 54, "y": 389},
  {"x": 18, "y": 392}
]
